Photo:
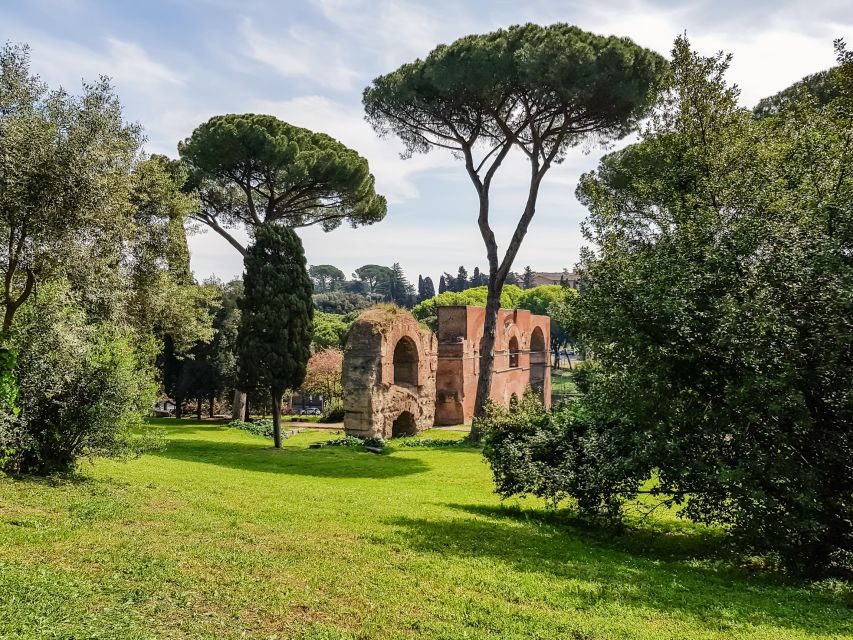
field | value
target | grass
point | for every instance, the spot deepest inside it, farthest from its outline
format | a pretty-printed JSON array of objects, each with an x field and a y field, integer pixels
[
  {"x": 561, "y": 381},
  {"x": 220, "y": 536}
]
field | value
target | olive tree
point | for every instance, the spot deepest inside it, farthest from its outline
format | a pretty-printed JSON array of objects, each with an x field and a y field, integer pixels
[
  {"x": 65, "y": 166},
  {"x": 538, "y": 89}
]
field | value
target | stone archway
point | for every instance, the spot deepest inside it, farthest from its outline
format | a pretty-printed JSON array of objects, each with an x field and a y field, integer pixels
[
  {"x": 406, "y": 362},
  {"x": 404, "y": 425},
  {"x": 538, "y": 362}
]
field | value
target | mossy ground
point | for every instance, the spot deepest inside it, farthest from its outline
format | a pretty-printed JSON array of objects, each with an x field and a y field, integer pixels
[{"x": 221, "y": 536}]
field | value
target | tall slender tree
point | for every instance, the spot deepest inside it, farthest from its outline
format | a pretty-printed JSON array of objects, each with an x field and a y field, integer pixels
[
  {"x": 276, "y": 322},
  {"x": 538, "y": 89},
  {"x": 442, "y": 284},
  {"x": 429, "y": 289}
]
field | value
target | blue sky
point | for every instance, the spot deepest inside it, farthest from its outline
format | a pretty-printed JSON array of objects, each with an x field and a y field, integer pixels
[{"x": 175, "y": 64}]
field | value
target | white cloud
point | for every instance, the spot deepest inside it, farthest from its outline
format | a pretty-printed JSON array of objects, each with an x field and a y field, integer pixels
[{"x": 301, "y": 52}]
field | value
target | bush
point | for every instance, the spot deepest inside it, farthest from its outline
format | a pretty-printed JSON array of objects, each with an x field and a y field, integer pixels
[
  {"x": 83, "y": 389},
  {"x": 559, "y": 454},
  {"x": 333, "y": 411},
  {"x": 261, "y": 427}
]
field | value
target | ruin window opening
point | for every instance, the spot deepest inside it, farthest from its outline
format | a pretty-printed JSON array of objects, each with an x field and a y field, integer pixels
[
  {"x": 538, "y": 362},
  {"x": 406, "y": 362},
  {"x": 404, "y": 425},
  {"x": 513, "y": 352}
]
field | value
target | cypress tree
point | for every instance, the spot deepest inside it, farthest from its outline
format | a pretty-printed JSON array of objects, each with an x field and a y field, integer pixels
[
  {"x": 462, "y": 279},
  {"x": 276, "y": 323},
  {"x": 429, "y": 288},
  {"x": 527, "y": 279},
  {"x": 442, "y": 285}
]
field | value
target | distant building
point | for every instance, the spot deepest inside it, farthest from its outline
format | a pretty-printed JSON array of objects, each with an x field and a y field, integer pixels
[{"x": 569, "y": 278}]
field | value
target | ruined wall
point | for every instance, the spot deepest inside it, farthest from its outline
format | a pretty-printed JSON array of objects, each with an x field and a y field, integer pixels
[
  {"x": 521, "y": 357},
  {"x": 399, "y": 378},
  {"x": 388, "y": 375}
]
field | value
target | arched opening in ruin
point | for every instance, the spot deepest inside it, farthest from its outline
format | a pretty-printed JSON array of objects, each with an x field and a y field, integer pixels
[
  {"x": 538, "y": 362},
  {"x": 404, "y": 425},
  {"x": 406, "y": 362},
  {"x": 513, "y": 352}
]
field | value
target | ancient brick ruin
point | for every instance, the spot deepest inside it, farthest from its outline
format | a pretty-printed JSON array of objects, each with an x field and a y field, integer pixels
[{"x": 400, "y": 378}]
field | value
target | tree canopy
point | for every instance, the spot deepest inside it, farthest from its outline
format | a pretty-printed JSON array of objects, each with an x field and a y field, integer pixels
[
  {"x": 718, "y": 308},
  {"x": 254, "y": 169}
]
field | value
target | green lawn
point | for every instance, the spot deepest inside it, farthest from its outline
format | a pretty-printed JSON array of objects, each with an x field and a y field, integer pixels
[{"x": 220, "y": 536}]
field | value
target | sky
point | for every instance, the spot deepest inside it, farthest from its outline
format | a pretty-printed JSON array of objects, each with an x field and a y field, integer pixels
[{"x": 176, "y": 63}]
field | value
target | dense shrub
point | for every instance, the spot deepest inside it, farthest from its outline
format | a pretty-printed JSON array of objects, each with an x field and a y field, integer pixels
[
  {"x": 83, "y": 389},
  {"x": 261, "y": 427},
  {"x": 560, "y": 454},
  {"x": 333, "y": 411}
]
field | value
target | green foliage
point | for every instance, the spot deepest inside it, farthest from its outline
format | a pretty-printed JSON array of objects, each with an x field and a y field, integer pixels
[
  {"x": 557, "y": 302},
  {"x": 258, "y": 427},
  {"x": 560, "y": 454},
  {"x": 84, "y": 388},
  {"x": 718, "y": 309},
  {"x": 276, "y": 321},
  {"x": 478, "y": 84},
  {"x": 255, "y": 169},
  {"x": 475, "y": 297},
  {"x": 326, "y": 277},
  {"x": 65, "y": 163},
  {"x": 333, "y": 411},
  {"x": 341, "y": 302},
  {"x": 430, "y": 443},
  {"x": 330, "y": 330},
  {"x": 820, "y": 86}
]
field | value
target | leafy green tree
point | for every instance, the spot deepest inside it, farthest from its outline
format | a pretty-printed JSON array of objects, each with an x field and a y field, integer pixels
[
  {"x": 819, "y": 86},
  {"x": 400, "y": 291},
  {"x": 330, "y": 330},
  {"x": 165, "y": 300},
  {"x": 556, "y": 302},
  {"x": 475, "y": 297},
  {"x": 84, "y": 387},
  {"x": 274, "y": 339},
  {"x": 375, "y": 278},
  {"x": 428, "y": 290},
  {"x": 251, "y": 169},
  {"x": 537, "y": 89},
  {"x": 65, "y": 163},
  {"x": 326, "y": 277},
  {"x": 341, "y": 302},
  {"x": 718, "y": 310}
]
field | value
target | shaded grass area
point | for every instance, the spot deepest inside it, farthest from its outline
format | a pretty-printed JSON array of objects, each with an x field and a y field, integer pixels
[{"x": 221, "y": 536}]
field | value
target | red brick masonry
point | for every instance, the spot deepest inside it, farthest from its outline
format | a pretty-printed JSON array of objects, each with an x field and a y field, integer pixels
[{"x": 399, "y": 378}]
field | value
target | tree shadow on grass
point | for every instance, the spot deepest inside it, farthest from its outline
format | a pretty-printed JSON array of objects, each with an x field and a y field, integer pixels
[
  {"x": 672, "y": 541},
  {"x": 714, "y": 595},
  {"x": 320, "y": 463}
]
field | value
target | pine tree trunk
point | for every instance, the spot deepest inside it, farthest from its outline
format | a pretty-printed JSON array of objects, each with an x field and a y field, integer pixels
[
  {"x": 248, "y": 409},
  {"x": 276, "y": 417},
  {"x": 238, "y": 405},
  {"x": 212, "y": 399},
  {"x": 487, "y": 358},
  {"x": 179, "y": 407},
  {"x": 198, "y": 408}
]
